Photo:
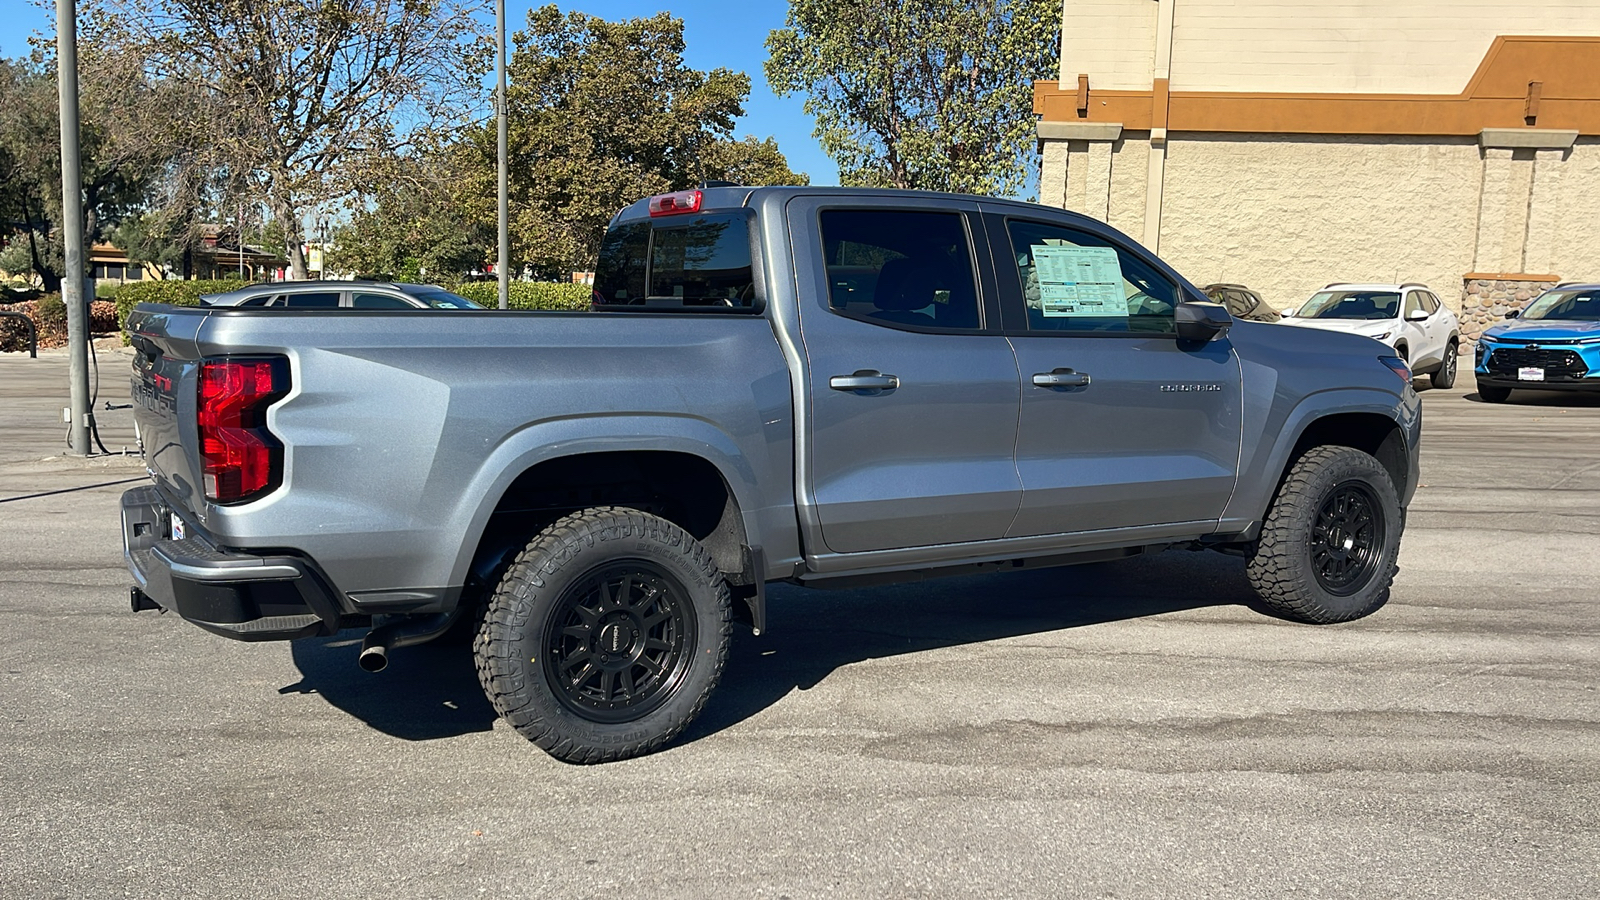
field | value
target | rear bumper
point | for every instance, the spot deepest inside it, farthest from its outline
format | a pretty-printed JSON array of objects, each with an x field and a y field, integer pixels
[{"x": 243, "y": 596}]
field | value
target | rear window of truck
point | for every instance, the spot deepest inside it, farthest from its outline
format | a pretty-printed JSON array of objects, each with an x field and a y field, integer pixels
[{"x": 701, "y": 262}]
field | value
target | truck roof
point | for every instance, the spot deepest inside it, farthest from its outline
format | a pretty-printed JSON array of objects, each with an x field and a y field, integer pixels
[{"x": 733, "y": 197}]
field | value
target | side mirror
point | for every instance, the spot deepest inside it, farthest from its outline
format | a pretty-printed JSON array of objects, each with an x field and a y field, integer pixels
[
  {"x": 1289, "y": 313},
  {"x": 1201, "y": 323},
  {"x": 1512, "y": 314},
  {"x": 1416, "y": 315}
]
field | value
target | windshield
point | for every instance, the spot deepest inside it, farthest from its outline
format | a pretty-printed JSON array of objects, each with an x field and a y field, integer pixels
[
  {"x": 1351, "y": 305},
  {"x": 442, "y": 299},
  {"x": 1580, "y": 306}
]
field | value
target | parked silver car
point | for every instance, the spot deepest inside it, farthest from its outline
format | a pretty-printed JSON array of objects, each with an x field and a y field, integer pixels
[{"x": 341, "y": 294}]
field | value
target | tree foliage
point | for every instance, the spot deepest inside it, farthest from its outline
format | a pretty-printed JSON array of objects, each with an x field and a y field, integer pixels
[
  {"x": 601, "y": 114},
  {"x": 305, "y": 98},
  {"x": 413, "y": 227},
  {"x": 929, "y": 94},
  {"x": 120, "y": 149}
]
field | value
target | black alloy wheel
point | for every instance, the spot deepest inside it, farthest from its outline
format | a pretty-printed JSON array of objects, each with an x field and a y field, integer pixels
[
  {"x": 619, "y": 641},
  {"x": 1330, "y": 540},
  {"x": 1347, "y": 540},
  {"x": 606, "y": 635}
]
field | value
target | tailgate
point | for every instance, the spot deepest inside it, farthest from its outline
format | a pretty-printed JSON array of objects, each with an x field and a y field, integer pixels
[{"x": 165, "y": 392}]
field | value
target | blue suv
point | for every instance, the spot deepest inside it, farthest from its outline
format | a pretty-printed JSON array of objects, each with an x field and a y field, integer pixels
[{"x": 1554, "y": 344}]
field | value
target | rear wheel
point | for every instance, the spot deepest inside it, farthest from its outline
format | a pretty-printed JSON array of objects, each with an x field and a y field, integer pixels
[
  {"x": 606, "y": 636},
  {"x": 1445, "y": 376},
  {"x": 1491, "y": 394},
  {"x": 1328, "y": 547}
]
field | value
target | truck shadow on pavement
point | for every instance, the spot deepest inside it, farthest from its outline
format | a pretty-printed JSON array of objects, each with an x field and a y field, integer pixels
[
  {"x": 812, "y": 633},
  {"x": 431, "y": 692},
  {"x": 426, "y": 693}
]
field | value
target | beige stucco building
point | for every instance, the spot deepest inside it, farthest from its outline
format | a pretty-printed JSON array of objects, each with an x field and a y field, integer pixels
[{"x": 1286, "y": 144}]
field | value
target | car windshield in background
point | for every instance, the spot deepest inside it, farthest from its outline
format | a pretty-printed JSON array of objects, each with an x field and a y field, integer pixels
[
  {"x": 1578, "y": 306},
  {"x": 1351, "y": 305},
  {"x": 694, "y": 262},
  {"x": 441, "y": 299}
]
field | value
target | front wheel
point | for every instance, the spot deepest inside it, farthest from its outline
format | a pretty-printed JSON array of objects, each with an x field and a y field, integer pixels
[
  {"x": 606, "y": 635},
  {"x": 1445, "y": 376},
  {"x": 1328, "y": 547},
  {"x": 1491, "y": 394}
]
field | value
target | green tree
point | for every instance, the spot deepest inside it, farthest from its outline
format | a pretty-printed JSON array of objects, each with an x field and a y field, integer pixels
[
  {"x": 601, "y": 114},
  {"x": 413, "y": 229},
  {"x": 307, "y": 99},
  {"x": 118, "y": 158},
  {"x": 928, "y": 94}
]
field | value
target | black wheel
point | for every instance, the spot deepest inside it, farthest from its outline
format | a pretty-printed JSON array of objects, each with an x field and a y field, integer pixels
[
  {"x": 1445, "y": 376},
  {"x": 1490, "y": 394},
  {"x": 1328, "y": 547},
  {"x": 606, "y": 635}
]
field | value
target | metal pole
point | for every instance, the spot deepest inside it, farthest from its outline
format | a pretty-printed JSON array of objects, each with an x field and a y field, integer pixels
[
  {"x": 72, "y": 280},
  {"x": 501, "y": 266}
]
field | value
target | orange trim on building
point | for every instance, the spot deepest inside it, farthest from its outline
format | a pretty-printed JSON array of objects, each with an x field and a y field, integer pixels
[
  {"x": 1159, "y": 103},
  {"x": 1567, "y": 69}
]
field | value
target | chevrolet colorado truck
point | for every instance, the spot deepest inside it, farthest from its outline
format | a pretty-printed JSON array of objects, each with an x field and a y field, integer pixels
[{"x": 818, "y": 386}]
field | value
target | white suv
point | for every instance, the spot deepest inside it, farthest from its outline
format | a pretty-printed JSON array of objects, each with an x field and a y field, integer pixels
[{"x": 1407, "y": 317}]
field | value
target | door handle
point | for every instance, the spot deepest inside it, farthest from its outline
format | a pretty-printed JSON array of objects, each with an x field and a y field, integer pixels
[
  {"x": 865, "y": 382},
  {"x": 1060, "y": 378}
]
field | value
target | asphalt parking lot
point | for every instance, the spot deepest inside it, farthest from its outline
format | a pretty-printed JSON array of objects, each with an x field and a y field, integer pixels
[{"x": 1124, "y": 730}]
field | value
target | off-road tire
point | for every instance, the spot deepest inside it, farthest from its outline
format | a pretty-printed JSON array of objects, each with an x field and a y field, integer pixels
[
  {"x": 1491, "y": 394},
  {"x": 1313, "y": 529},
  {"x": 569, "y": 604},
  {"x": 1444, "y": 377}
]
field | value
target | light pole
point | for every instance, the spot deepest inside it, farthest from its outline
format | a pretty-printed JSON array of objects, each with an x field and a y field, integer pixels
[
  {"x": 72, "y": 283},
  {"x": 501, "y": 269}
]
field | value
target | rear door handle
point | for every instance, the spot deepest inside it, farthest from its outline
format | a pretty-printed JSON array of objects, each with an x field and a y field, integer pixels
[
  {"x": 1060, "y": 378},
  {"x": 866, "y": 382}
]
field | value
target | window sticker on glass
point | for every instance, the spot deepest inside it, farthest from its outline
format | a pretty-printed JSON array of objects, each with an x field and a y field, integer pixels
[{"x": 1079, "y": 281}]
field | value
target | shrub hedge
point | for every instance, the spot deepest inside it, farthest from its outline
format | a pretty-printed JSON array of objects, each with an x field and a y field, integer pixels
[
  {"x": 546, "y": 295},
  {"x": 49, "y": 317},
  {"x": 176, "y": 293}
]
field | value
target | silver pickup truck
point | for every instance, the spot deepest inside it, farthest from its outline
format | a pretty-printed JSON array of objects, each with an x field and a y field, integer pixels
[{"x": 818, "y": 386}]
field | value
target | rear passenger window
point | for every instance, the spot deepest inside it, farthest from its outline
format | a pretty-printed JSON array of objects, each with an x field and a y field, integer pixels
[
  {"x": 1430, "y": 303},
  {"x": 379, "y": 301},
  {"x": 900, "y": 267},
  {"x": 319, "y": 300},
  {"x": 1076, "y": 281}
]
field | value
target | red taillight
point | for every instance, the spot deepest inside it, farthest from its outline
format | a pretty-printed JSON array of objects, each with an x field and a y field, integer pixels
[
  {"x": 674, "y": 204},
  {"x": 240, "y": 457}
]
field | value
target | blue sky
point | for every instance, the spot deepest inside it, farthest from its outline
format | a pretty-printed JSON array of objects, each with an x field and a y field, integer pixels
[{"x": 718, "y": 33}]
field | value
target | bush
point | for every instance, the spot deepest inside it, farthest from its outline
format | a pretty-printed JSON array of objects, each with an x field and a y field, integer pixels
[
  {"x": 14, "y": 334},
  {"x": 51, "y": 314},
  {"x": 49, "y": 317},
  {"x": 106, "y": 291},
  {"x": 175, "y": 293},
  {"x": 102, "y": 317},
  {"x": 538, "y": 295}
]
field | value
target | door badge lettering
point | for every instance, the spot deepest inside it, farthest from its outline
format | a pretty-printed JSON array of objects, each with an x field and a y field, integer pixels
[{"x": 1189, "y": 388}]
